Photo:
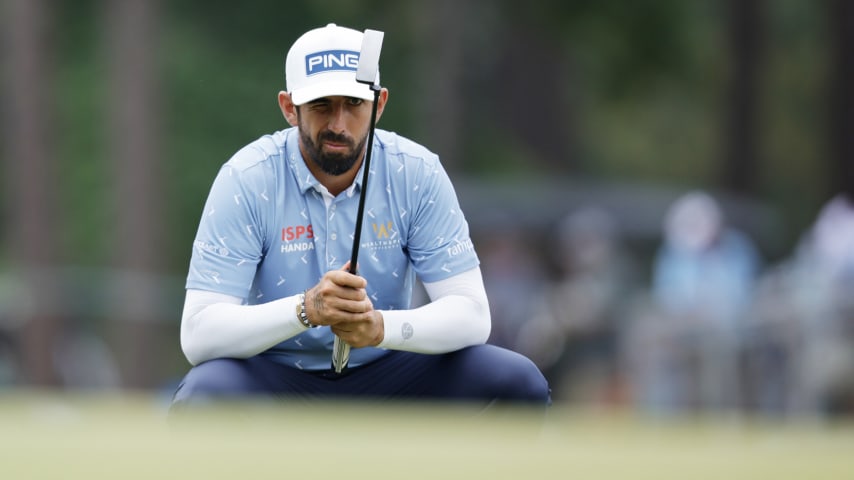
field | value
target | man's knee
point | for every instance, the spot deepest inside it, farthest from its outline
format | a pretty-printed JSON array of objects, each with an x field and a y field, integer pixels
[
  {"x": 526, "y": 381},
  {"x": 511, "y": 376},
  {"x": 215, "y": 379}
]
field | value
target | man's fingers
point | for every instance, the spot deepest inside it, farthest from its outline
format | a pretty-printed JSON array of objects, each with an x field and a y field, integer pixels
[
  {"x": 356, "y": 334},
  {"x": 337, "y": 297},
  {"x": 362, "y": 305},
  {"x": 346, "y": 279},
  {"x": 332, "y": 293}
]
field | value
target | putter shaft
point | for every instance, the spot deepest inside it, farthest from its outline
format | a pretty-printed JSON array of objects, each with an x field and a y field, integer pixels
[
  {"x": 367, "y": 73},
  {"x": 340, "y": 349}
]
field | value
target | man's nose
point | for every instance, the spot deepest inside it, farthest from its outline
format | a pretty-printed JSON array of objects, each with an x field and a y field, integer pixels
[{"x": 336, "y": 119}]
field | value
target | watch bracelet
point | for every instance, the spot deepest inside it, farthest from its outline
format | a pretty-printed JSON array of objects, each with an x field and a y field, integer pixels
[{"x": 301, "y": 313}]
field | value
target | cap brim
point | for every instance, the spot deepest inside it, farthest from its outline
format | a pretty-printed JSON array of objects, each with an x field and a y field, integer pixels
[{"x": 331, "y": 89}]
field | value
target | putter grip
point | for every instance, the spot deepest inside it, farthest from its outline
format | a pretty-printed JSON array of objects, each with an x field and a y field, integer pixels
[
  {"x": 340, "y": 355},
  {"x": 340, "y": 348}
]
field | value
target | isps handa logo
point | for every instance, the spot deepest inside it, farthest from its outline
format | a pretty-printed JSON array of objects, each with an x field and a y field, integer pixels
[
  {"x": 296, "y": 232},
  {"x": 297, "y": 238}
]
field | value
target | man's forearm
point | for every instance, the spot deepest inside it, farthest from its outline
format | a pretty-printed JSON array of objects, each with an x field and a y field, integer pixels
[
  {"x": 216, "y": 326},
  {"x": 457, "y": 317}
]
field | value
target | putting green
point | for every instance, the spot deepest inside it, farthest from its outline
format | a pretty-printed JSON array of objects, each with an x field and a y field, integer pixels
[{"x": 128, "y": 437}]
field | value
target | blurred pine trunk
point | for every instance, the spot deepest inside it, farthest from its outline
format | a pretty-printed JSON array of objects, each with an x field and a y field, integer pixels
[
  {"x": 746, "y": 29},
  {"x": 134, "y": 152},
  {"x": 32, "y": 221},
  {"x": 841, "y": 99}
]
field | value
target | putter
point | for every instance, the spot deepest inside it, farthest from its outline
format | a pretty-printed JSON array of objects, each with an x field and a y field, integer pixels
[{"x": 367, "y": 72}]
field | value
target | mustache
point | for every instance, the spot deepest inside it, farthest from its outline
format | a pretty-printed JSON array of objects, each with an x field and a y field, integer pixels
[{"x": 334, "y": 137}]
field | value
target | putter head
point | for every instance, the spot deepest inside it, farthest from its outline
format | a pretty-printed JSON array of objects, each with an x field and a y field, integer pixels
[{"x": 369, "y": 58}]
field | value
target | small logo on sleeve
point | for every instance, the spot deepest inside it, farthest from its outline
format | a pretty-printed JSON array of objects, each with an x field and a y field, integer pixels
[
  {"x": 460, "y": 247},
  {"x": 406, "y": 331}
]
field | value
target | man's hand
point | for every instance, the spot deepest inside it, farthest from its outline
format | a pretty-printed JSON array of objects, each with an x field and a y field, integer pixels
[{"x": 341, "y": 301}]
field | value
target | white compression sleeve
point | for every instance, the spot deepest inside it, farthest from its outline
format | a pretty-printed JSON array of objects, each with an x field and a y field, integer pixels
[
  {"x": 215, "y": 325},
  {"x": 457, "y": 317}
]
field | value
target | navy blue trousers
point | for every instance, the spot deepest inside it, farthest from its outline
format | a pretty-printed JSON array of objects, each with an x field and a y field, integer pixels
[{"x": 483, "y": 373}]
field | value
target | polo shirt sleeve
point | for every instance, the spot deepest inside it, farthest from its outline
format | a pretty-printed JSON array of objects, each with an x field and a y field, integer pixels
[
  {"x": 439, "y": 242},
  {"x": 229, "y": 243}
]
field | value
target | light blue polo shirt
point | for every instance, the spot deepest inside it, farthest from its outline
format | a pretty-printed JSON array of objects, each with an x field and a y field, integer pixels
[{"x": 267, "y": 233}]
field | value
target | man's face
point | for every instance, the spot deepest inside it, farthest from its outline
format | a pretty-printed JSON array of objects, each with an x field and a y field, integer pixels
[{"x": 333, "y": 132}]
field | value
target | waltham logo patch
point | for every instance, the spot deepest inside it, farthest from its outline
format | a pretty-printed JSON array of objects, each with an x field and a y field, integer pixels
[{"x": 331, "y": 61}]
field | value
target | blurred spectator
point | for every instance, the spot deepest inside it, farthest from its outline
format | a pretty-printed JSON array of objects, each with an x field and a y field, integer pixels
[
  {"x": 84, "y": 362},
  {"x": 772, "y": 336},
  {"x": 685, "y": 354},
  {"x": 513, "y": 277},
  {"x": 572, "y": 334}
]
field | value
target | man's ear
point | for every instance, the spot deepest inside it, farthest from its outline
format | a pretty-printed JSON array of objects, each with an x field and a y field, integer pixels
[
  {"x": 381, "y": 103},
  {"x": 289, "y": 110}
]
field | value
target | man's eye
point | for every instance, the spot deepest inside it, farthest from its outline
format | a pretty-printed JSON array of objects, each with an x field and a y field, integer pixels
[{"x": 353, "y": 101}]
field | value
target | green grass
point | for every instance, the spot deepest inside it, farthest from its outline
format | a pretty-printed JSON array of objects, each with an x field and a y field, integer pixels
[{"x": 128, "y": 437}]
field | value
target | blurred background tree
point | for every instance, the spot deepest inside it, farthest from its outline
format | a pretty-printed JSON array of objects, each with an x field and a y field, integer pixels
[{"x": 117, "y": 115}]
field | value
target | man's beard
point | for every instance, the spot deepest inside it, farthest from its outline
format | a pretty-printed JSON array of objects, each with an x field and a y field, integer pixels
[{"x": 332, "y": 163}]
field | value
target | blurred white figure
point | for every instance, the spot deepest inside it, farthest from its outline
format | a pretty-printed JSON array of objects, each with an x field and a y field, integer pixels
[
  {"x": 822, "y": 291},
  {"x": 702, "y": 285}
]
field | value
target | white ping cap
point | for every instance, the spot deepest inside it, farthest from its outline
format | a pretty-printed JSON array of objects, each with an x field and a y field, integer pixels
[{"x": 323, "y": 63}]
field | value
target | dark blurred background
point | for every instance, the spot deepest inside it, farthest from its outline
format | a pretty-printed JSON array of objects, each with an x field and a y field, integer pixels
[{"x": 571, "y": 128}]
